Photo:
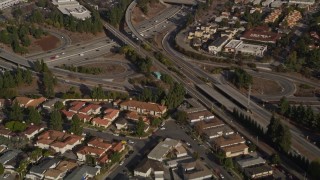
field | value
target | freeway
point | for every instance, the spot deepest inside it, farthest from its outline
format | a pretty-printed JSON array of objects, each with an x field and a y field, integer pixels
[{"x": 261, "y": 115}]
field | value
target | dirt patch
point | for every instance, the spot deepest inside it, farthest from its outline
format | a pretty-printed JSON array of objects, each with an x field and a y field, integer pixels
[
  {"x": 153, "y": 9},
  {"x": 304, "y": 90},
  {"x": 29, "y": 89},
  {"x": 265, "y": 86},
  {"x": 48, "y": 42},
  {"x": 108, "y": 68}
]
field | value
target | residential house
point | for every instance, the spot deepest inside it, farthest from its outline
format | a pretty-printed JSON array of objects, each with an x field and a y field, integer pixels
[
  {"x": 121, "y": 124},
  {"x": 291, "y": 19},
  {"x": 195, "y": 170},
  {"x": 144, "y": 107},
  {"x": 58, "y": 141},
  {"x": 83, "y": 172},
  {"x": 23, "y": 101},
  {"x": 84, "y": 117},
  {"x": 256, "y": 172},
  {"x": 90, "y": 109},
  {"x": 302, "y": 2},
  {"x": 37, "y": 171},
  {"x": 159, "y": 152},
  {"x": 118, "y": 147},
  {"x": 134, "y": 116},
  {"x": 4, "y": 132},
  {"x": 250, "y": 161},
  {"x": 76, "y": 106},
  {"x": 147, "y": 166},
  {"x": 232, "y": 145},
  {"x": 180, "y": 151},
  {"x": 49, "y": 104},
  {"x": 60, "y": 170},
  {"x": 100, "y": 122},
  {"x": 199, "y": 116},
  {"x": 67, "y": 114},
  {"x": 36, "y": 102},
  {"x": 217, "y": 132},
  {"x": 10, "y": 159},
  {"x": 273, "y": 16},
  {"x": 203, "y": 125},
  {"x": 33, "y": 130},
  {"x": 111, "y": 114},
  {"x": 89, "y": 150},
  {"x": 99, "y": 143}
]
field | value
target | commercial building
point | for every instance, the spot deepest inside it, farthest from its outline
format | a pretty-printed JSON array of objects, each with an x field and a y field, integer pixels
[
  {"x": 217, "y": 132},
  {"x": 147, "y": 166},
  {"x": 162, "y": 149},
  {"x": 239, "y": 46},
  {"x": 8, "y": 3},
  {"x": 194, "y": 117},
  {"x": 146, "y": 108},
  {"x": 72, "y": 8},
  {"x": 303, "y": 2},
  {"x": 232, "y": 145},
  {"x": 217, "y": 44}
]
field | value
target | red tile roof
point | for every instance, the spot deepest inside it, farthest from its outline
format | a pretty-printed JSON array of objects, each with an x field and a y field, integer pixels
[
  {"x": 59, "y": 138},
  {"x": 32, "y": 128},
  {"x": 100, "y": 143},
  {"x": 68, "y": 114},
  {"x": 117, "y": 147},
  {"x": 103, "y": 159},
  {"x": 84, "y": 117},
  {"x": 261, "y": 34},
  {"x": 100, "y": 121},
  {"x": 90, "y": 107},
  {"x": 110, "y": 113},
  {"x": 90, "y": 150},
  {"x": 76, "y": 105}
]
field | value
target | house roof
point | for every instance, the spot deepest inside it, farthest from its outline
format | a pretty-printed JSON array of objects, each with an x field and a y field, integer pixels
[
  {"x": 82, "y": 171},
  {"x": 110, "y": 113},
  {"x": 218, "y": 130},
  {"x": 51, "y": 102},
  {"x": 9, "y": 155},
  {"x": 58, "y": 144},
  {"x": 162, "y": 148},
  {"x": 44, "y": 165},
  {"x": 84, "y": 117},
  {"x": 76, "y": 105},
  {"x": 23, "y": 100},
  {"x": 32, "y": 128},
  {"x": 117, "y": 146},
  {"x": 196, "y": 115},
  {"x": 36, "y": 102},
  {"x": 251, "y": 161},
  {"x": 144, "y": 105},
  {"x": 209, "y": 123},
  {"x": 261, "y": 34},
  {"x": 146, "y": 164},
  {"x": 100, "y": 143},
  {"x": 53, "y": 173},
  {"x": 57, "y": 138},
  {"x": 90, "y": 107},
  {"x": 100, "y": 121},
  {"x": 4, "y": 131},
  {"x": 90, "y": 150},
  {"x": 104, "y": 158},
  {"x": 68, "y": 114},
  {"x": 180, "y": 150},
  {"x": 228, "y": 140},
  {"x": 65, "y": 166},
  {"x": 71, "y": 139},
  {"x": 257, "y": 169},
  {"x": 235, "y": 148},
  {"x": 121, "y": 121}
]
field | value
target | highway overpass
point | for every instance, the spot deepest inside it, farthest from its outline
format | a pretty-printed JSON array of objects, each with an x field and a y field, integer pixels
[
  {"x": 184, "y": 2},
  {"x": 19, "y": 60}
]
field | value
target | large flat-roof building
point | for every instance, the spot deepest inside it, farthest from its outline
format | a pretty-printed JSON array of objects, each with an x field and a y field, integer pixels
[
  {"x": 303, "y": 2},
  {"x": 216, "y": 45},
  {"x": 8, "y": 3},
  {"x": 261, "y": 34},
  {"x": 239, "y": 46},
  {"x": 72, "y": 8}
]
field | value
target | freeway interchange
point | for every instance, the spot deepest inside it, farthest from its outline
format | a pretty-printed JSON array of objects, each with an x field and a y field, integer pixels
[{"x": 168, "y": 22}]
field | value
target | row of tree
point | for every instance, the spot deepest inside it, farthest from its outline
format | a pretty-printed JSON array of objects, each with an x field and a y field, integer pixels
[
  {"x": 143, "y": 5},
  {"x": 115, "y": 14},
  {"x": 83, "y": 69},
  {"x": 302, "y": 115},
  {"x": 47, "y": 79},
  {"x": 143, "y": 64}
]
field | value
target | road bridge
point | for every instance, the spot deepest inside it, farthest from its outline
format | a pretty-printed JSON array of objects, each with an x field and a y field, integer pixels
[
  {"x": 13, "y": 58},
  {"x": 184, "y": 2}
]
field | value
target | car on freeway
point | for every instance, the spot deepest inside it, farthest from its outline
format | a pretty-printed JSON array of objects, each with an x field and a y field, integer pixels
[
  {"x": 163, "y": 123},
  {"x": 121, "y": 163},
  {"x": 131, "y": 142},
  {"x": 221, "y": 176},
  {"x": 163, "y": 128},
  {"x": 188, "y": 144},
  {"x": 81, "y": 54}
]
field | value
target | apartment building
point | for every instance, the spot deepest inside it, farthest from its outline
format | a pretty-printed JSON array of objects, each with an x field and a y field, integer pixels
[{"x": 146, "y": 108}]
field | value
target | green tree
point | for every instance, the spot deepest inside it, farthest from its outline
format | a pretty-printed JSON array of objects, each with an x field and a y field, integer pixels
[
  {"x": 273, "y": 128},
  {"x": 90, "y": 160},
  {"x": 115, "y": 157},
  {"x": 181, "y": 117},
  {"x": 284, "y": 105},
  {"x": 16, "y": 126},
  {"x": 22, "y": 169},
  {"x": 36, "y": 154},
  {"x": 58, "y": 105},
  {"x": 155, "y": 122},
  {"x": 16, "y": 112},
  {"x": 34, "y": 116},
  {"x": 56, "y": 121},
  {"x": 284, "y": 139},
  {"x": 76, "y": 127},
  {"x": 314, "y": 169},
  {"x": 1, "y": 169},
  {"x": 140, "y": 127},
  {"x": 97, "y": 93},
  {"x": 275, "y": 159},
  {"x": 28, "y": 77},
  {"x": 228, "y": 163}
]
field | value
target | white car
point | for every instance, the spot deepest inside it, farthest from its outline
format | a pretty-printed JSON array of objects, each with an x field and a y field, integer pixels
[
  {"x": 131, "y": 142},
  {"x": 121, "y": 163},
  {"x": 116, "y": 134},
  {"x": 81, "y": 54},
  {"x": 163, "y": 128},
  {"x": 222, "y": 177}
]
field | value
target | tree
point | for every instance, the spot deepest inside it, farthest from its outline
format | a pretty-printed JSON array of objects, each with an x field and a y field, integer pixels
[
  {"x": 22, "y": 169},
  {"x": 195, "y": 155},
  {"x": 284, "y": 139},
  {"x": 76, "y": 127},
  {"x": 155, "y": 122},
  {"x": 56, "y": 121},
  {"x": 228, "y": 163},
  {"x": 1, "y": 169},
  {"x": 115, "y": 157},
  {"x": 34, "y": 116},
  {"x": 16, "y": 126},
  {"x": 36, "y": 154},
  {"x": 16, "y": 112},
  {"x": 275, "y": 159},
  {"x": 284, "y": 105},
  {"x": 97, "y": 93},
  {"x": 90, "y": 160},
  {"x": 28, "y": 76},
  {"x": 314, "y": 169},
  {"x": 273, "y": 128},
  {"x": 181, "y": 117},
  {"x": 140, "y": 127},
  {"x": 58, "y": 105}
]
